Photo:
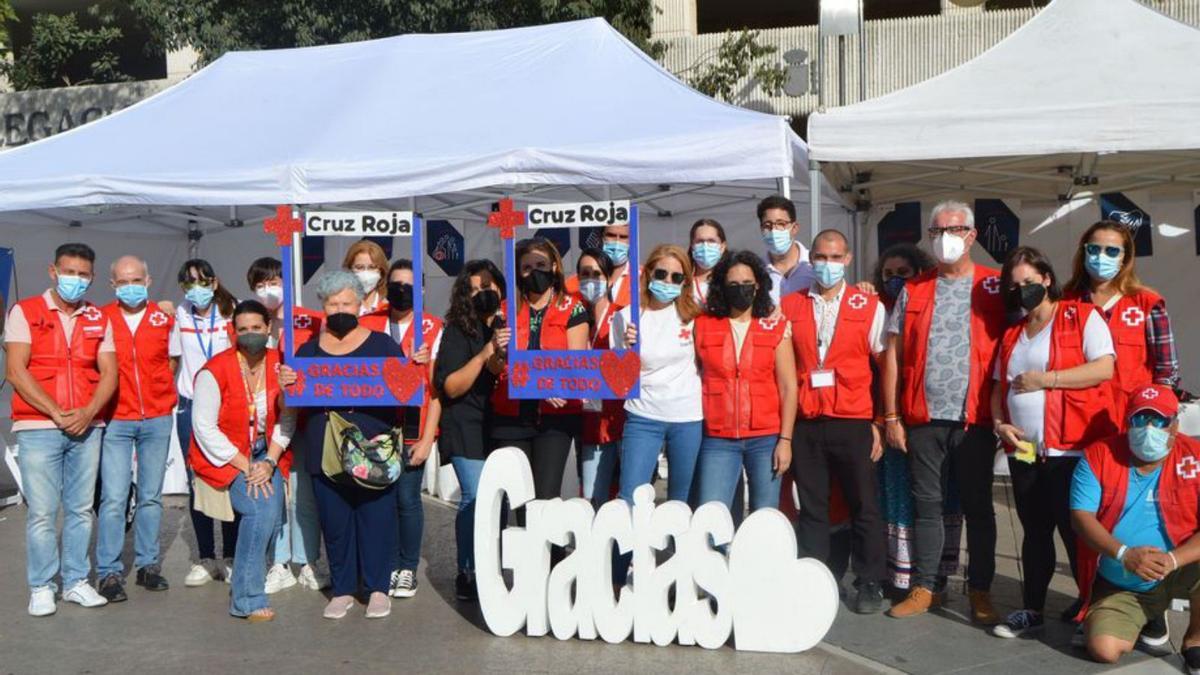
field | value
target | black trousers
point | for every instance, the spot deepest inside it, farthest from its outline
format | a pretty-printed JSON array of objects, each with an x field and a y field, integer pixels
[
  {"x": 547, "y": 452},
  {"x": 841, "y": 448},
  {"x": 1042, "y": 491},
  {"x": 938, "y": 452}
]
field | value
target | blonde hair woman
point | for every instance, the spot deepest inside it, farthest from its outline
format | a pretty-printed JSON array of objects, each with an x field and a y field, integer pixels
[{"x": 369, "y": 264}]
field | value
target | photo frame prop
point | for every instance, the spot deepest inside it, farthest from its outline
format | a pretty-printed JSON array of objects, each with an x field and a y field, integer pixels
[
  {"x": 347, "y": 380},
  {"x": 570, "y": 373}
]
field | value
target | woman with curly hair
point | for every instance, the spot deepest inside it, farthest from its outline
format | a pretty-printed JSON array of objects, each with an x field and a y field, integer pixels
[{"x": 748, "y": 383}]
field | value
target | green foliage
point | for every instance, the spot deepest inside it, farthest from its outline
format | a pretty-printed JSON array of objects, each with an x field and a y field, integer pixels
[
  {"x": 214, "y": 27},
  {"x": 7, "y": 15},
  {"x": 740, "y": 55},
  {"x": 64, "y": 44}
]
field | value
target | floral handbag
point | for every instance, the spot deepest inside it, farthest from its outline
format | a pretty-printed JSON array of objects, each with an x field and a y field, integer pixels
[{"x": 372, "y": 463}]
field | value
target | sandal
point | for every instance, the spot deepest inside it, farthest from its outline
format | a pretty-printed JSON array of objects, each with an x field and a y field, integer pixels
[{"x": 261, "y": 615}]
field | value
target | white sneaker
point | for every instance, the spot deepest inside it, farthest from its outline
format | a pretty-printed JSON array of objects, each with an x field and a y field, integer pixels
[
  {"x": 41, "y": 601},
  {"x": 84, "y": 595},
  {"x": 199, "y": 575},
  {"x": 312, "y": 579},
  {"x": 279, "y": 577},
  {"x": 227, "y": 571}
]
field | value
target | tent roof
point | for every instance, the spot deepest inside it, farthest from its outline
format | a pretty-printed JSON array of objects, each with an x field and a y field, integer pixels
[
  {"x": 564, "y": 104},
  {"x": 1082, "y": 76}
]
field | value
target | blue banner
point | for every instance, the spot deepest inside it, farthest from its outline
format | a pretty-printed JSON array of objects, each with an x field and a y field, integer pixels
[
  {"x": 312, "y": 256},
  {"x": 591, "y": 237},
  {"x": 998, "y": 227},
  {"x": 901, "y": 225},
  {"x": 445, "y": 246},
  {"x": 6, "y": 274},
  {"x": 559, "y": 236},
  {"x": 1117, "y": 207}
]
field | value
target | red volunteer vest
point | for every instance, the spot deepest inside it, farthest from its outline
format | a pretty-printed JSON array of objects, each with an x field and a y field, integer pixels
[
  {"x": 740, "y": 394},
  {"x": 1178, "y": 495},
  {"x": 608, "y": 425},
  {"x": 987, "y": 326},
  {"x": 145, "y": 385},
  {"x": 234, "y": 417},
  {"x": 1074, "y": 418},
  {"x": 67, "y": 371},
  {"x": 431, "y": 327},
  {"x": 553, "y": 336},
  {"x": 306, "y": 324},
  {"x": 849, "y": 356}
]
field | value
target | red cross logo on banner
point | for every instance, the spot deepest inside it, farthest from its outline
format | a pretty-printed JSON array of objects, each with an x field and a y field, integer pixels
[
  {"x": 158, "y": 319},
  {"x": 857, "y": 301},
  {"x": 506, "y": 219},
  {"x": 283, "y": 225},
  {"x": 519, "y": 374},
  {"x": 1187, "y": 468},
  {"x": 1133, "y": 316},
  {"x": 992, "y": 285},
  {"x": 1149, "y": 393},
  {"x": 91, "y": 313}
]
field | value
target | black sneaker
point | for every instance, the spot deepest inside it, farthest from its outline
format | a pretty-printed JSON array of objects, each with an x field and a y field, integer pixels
[
  {"x": 112, "y": 589},
  {"x": 1068, "y": 615},
  {"x": 149, "y": 578},
  {"x": 1155, "y": 637},
  {"x": 403, "y": 584},
  {"x": 869, "y": 598},
  {"x": 1191, "y": 659},
  {"x": 1018, "y": 623},
  {"x": 464, "y": 587}
]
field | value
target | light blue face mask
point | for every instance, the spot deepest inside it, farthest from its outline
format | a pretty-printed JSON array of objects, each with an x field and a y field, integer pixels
[
  {"x": 617, "y": 252},
  {"x": 828, "y": 273},
  {"x": 706, "y": 254},
  {"x": 593, "y": 289},
  {"x": 132, "y": 295},
  {"x": 665, "y": 292},
  {"x": 1149, "y": 443},
  {"x": 778, "y": 242},
  {"x": 1101, "y": 267},
  {"x": 200, "y": 296},
  {"x": 71, "y": 288}
]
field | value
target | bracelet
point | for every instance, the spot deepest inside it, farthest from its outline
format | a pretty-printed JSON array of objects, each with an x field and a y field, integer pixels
[
  {"x": 1173, "y": 561},
  {"x": 782, "y": 438},
  {"x": 273, "y": 463},
  {"x": 1120, "y": 557},
  {"x": 891, "y": 417}
]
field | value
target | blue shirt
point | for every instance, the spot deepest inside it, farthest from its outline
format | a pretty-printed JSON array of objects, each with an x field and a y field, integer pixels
[{"x": 1140, "y": 523}]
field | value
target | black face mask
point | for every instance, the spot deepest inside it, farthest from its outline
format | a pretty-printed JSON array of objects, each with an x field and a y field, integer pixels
[
  {"x": 400, "y": 295},
  {"x": 486, "y": 303},
  {"x": 1026, "y": 297},
  {"x": 341, "y": 323},
  {"x": 537, "y": 281},
  {"x": 740, "y": 296}
]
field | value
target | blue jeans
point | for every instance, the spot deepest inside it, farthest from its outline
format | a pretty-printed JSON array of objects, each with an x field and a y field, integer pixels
[
  {"x": 411, "y": 516},
  {"x": 151, "y": 439},
  {"x": 58, "y": 471},
  {"x": 260, "y": 517},
  {"x": 597, "y": 465},
  {"x": 299, "y": 539},
  {"x": 468, "y": 472},
  {"x": 719, "y": 470},
  {"x": 639, "y": 455}
]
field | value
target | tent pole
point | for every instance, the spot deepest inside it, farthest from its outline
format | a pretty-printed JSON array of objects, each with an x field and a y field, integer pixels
[
  {"x": 193, "y": 235},
  {"x": 784, "y": 185},
  {"x": 297, "y": 263},
  {"x": 814, "y": 197}
]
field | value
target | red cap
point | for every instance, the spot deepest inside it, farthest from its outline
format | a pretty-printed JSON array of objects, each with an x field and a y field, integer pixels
[{"x": 1157, "y": 397}]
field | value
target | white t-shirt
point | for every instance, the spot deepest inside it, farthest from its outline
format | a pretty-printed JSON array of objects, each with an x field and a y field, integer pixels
[
  {"x": 134, "y": 320},
  {"x": 670, "y": 382},
  {"x": 1027, "y": 411},
  {"x": 193, "y": 338}
]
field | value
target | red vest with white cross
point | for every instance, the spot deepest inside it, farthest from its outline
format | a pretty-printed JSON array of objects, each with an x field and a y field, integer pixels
[
  {"x": 740, "y": 392},
  {"x": 145, "y": 384},
  {"x": 64, "y": 367},
  {"x": 848, "y": 356}
]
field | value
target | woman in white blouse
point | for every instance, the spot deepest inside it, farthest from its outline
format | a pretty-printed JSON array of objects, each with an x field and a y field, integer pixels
[{"x": 239, "y": 450}]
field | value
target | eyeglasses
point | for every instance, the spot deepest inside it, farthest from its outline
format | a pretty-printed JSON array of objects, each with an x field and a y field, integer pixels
[
  {"x": 1149, "y": 418},
  {"x": 776, "y": 224},
  {"x": 956, "y": 230},
  {"x": 588, "y": 275},
  {"x": 1097, "y": 249},
  {"x": 662, "y": 275}
]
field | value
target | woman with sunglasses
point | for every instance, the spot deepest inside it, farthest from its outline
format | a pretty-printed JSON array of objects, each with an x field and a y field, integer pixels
[
  {"x": 203, "y": 329},
  {"x": 707, "y": 240},
  {"x": 547, "y": 318},
  {"x": 1104, "y": 275},
  {"x": 1052, "y": 402},
  {"x": 603, "y": 420}
]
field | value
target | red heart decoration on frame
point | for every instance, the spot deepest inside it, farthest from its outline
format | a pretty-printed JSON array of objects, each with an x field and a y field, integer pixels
[
  {"x": 297, "y": 388},
  {"x": 620, "y": 371},
  {"x": 402, "y": 379}
]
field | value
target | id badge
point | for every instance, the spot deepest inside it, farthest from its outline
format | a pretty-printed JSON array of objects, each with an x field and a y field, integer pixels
[
  {"x": 821, "y": 378},
  {"x": 1026, "y": 452},
  {"x": 594, "y": 405}
]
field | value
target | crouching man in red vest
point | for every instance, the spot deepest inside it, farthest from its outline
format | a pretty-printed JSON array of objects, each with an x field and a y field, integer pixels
[
  {"x": 1134, "y": 502},
  {"x": 63, "y": 370}
]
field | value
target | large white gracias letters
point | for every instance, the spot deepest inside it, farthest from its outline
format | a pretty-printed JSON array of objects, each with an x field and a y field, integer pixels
[{"x": 770, "y": 600}]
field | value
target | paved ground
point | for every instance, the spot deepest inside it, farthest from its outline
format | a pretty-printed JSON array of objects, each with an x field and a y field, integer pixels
[{"x": 188, "y": 630}]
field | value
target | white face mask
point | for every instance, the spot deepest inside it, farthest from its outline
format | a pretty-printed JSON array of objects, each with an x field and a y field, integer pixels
[
  {"x": 948, "y": 248},
  {"x": 369, "y": 279},
  {"x": 270, "y": 296}
]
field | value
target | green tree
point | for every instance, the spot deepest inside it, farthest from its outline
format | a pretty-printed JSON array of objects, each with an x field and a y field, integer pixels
[
  {"x": 740, "y": 55},
  {"x": 213, "y": 27},
  {"x": 67, "y": 50},
  {"x": 7, "y": 15}
]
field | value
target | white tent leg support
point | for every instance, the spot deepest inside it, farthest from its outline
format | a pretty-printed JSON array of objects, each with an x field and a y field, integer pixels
[{"x": 814, "y": 198}]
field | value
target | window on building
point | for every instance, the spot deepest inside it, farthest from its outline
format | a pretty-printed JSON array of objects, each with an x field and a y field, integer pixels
[
  {"x": 716, "y": 16},
  {"x": 1014, "y": 4},
  {"x": 898, "y": 9}
]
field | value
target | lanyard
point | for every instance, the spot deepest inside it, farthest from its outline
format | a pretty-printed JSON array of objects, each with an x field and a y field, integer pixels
[
  {"x": 252, "y": 395},
  {"x": 701, "y": 296},
  {"x": 212, "y": 317}
]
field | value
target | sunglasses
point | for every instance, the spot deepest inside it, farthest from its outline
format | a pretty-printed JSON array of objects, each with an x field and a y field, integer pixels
[
  {"x": 1097, "y": 249},
  {"x": 198, "y": 283},
  {"x": 1149, "y": 418},
  {"x": 662, "y": 275}
]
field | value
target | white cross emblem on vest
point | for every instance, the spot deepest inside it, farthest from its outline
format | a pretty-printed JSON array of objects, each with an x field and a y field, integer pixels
[
  {"x": 426, "y": 326},
  {"x": 992, "y": 285},
  {"x": 301, "y": 321},
  {"x": 1069, "y": 313},
  {"x": 565, "y": 304},
  {"x": 1187, "y": 468},
  {"x": 1133, "y": 316},
  {"x": 91, "y": 313},
  {"x": 769, "y": 323},
  {"x": 1149, "y": 392},
  {"x": 857, "y": 301},
  {"x": 158, "y": 319}
]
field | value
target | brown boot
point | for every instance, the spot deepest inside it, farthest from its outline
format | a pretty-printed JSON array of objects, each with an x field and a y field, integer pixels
[
  {"x": 982, "y": 611},
  {"x": 919, "y": 601}
]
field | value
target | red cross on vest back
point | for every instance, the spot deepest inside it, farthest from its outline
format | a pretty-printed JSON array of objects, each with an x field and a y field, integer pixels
[
  {"x": 506, "y": 218},
  {"x": 283, "y": 225}
]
